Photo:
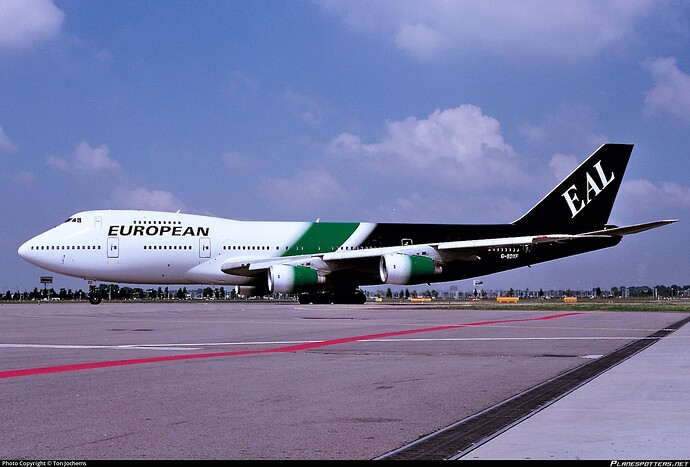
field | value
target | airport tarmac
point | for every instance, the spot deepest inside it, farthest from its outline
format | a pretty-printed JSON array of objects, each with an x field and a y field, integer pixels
[
  {"x": 640, "y": 410},
  {"x": 283, "y": 381}
]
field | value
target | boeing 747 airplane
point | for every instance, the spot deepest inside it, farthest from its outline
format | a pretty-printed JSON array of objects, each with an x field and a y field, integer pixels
[{"x": 328, "y": 262}]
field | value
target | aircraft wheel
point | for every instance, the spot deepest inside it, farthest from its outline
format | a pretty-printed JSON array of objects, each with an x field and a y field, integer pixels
[
  {"x": 323, "y": 298},
  {"x": 360, "y": 298},
  {"x": 351, "y": 298},
  {"x": 95, "y": 298},
  {"x": 304, "y": 298}
]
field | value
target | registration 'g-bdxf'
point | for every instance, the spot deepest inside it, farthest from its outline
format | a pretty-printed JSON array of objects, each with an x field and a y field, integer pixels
[{"x": 328, "y": 262}]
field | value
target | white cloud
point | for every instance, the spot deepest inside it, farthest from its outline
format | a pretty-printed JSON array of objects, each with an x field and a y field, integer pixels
[
  {"x": 460, "y": 147},
  {"x": 25, "y": 23},
  {"x": 307, "y": 192},
  {"x": 643, "y": 196},
  {"x": 562, "y": 165},
  {"x": 143, "y": 198},
  {"x": 671, "y": 92},
  {"x": 571, "y": 124},
  {"x": 420, "y": 40},
  {"x": 6, "y": 144},
  {"x": 84, "y": 160},
  {"x": 310, "y": 110},
  {"x": 570, "y": 30}
]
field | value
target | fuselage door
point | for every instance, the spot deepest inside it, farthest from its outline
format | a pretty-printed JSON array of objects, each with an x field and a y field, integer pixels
[
  {"x": 204, "y": 247},
  {"x": 113, "y": 247}
]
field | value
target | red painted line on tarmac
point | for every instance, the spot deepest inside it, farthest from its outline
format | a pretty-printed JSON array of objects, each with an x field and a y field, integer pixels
[{"x": 289, "y": 348}]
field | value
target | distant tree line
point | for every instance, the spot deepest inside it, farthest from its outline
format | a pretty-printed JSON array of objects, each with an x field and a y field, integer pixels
[{"x": 115, "y": 292}]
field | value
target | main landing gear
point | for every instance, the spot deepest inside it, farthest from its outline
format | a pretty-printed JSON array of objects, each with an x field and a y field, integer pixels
[
  {"x": 94, "y": 297},
  {"x": 355, "y": 297}
]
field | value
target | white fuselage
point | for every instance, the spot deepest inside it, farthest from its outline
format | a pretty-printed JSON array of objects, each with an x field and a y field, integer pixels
[{"x": 148, "y": 247}]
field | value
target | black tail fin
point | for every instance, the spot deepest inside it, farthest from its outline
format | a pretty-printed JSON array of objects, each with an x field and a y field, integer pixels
[{"x": 583, "y": 201}]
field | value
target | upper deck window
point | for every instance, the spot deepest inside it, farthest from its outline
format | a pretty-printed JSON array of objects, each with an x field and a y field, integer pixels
[{"x": 73, "y": 219}]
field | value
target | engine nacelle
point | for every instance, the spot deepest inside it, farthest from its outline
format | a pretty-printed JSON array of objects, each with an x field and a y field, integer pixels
[
  {"x": 401, "y": 269},
  {"x": 288, "y": 279}
]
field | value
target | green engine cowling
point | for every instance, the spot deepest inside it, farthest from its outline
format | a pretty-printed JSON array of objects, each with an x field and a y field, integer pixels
[
  {"x": 283, "y": 278},
  {"x": 401, "y": 269}
]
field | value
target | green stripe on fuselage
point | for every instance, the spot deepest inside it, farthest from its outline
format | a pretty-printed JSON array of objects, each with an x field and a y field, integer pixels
[{"x": 322, "y": 237}]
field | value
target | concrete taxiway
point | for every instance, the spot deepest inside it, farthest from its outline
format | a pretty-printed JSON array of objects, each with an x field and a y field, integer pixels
[
  {"x": 640, "y": 410},
  {"x": 283, "y": 381}
]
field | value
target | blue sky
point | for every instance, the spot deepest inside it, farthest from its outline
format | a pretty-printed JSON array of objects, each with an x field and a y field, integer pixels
[{"x": 353, "y": 110}]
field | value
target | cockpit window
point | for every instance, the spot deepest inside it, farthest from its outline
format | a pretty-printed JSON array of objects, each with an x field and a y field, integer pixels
[{"x": 73, "y": 219}]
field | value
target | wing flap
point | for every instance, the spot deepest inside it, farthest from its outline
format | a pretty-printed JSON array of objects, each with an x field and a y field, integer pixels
[
  {"x": 242, "y": 266},
  {"x": 252, "y": 266}
]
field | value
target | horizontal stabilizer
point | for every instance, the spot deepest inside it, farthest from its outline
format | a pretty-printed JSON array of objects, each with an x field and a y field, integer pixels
[{"x": 631, "y": 229}]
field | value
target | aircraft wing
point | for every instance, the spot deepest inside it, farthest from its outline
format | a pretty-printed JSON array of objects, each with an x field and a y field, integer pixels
[
  {"x": 462, "y": 250},
  {"x": 469, "y": 248}
]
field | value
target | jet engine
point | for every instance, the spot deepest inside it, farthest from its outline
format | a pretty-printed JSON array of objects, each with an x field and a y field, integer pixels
[
  {"x": 287, "y": 279},
  {"x": 401, "y": 269}
]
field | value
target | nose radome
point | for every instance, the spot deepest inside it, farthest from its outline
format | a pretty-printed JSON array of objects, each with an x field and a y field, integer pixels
[
  {"x": 27, "y": 253},
  {"x": 24, "y": 250}
]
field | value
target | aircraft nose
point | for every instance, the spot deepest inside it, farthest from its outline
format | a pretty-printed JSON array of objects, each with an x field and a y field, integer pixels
[
  {"x": 27, "y": 252},
  {"x": 24, "y": 250}
]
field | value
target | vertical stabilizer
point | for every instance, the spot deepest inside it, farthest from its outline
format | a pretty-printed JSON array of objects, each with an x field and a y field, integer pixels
[{"x": 582, "y": 202}]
